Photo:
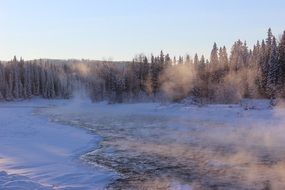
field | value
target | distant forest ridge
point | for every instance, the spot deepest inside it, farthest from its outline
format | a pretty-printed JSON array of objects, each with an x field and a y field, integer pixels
[{"x": 227, "y": 77}]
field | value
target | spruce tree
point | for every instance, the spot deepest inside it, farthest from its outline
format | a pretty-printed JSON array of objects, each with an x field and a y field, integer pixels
[
  {"x": 188, "y": 59},
  {"x": 281, "y": 61},
  {"x": 196, "y": 60},
  {"x": 214, "y": 55},
  {"x": 274, "y": 68}
]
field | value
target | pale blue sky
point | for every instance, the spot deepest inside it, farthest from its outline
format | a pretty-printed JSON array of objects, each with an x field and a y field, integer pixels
[{"x": 119, "y": 29}]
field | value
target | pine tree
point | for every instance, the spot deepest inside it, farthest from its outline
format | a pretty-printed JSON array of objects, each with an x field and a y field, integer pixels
[
  {"x": 202, "y": 65},
  {"x": 254, "y": 58},
  {"x": 282, "y": 61},
  {"x": 263, "y": 70},
  {"x": 274, "y": 68},
  {"x": 239, "y": 56},
  {"x": 223, "y": 57},
  {"x": 214, "y": 55},
  {"x": 188, "y": 59},
  {"x": 154, "y": 74},
  {"x": 9, "y": 85},
  {"x": 196, "y": 60},
  {"x": 168, "y": 61},
  {"x": 269, "y": 41},
  {"x": 161, "y": 58},
  {"x": 16, "y": 79},
  {"x": 36, "y": 79},
  {"x": 180, "y": 60},
  {"x": 27, "y": 81},
  {"x": 174, "y": 60}
]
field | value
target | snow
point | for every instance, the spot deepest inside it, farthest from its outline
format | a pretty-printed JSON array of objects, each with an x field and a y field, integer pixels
[
  {"x": 10, "y": 182},
  {"x": 255, "y": 104},
  {"x": 45, "y": 153}
]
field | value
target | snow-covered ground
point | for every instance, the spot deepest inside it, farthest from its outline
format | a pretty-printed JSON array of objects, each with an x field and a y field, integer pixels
[
  {"x": 39, "y": 154},
  {"x": 151, "y": 146}
]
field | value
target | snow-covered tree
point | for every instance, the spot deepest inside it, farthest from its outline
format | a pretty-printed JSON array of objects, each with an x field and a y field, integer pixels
[
  {"x": 274, "y": 68},
  {"x": 214, "y": 60},
  {"x": 281, "y": 61}
]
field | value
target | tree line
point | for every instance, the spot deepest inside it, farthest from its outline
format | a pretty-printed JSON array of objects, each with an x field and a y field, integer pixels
[
  {"x": 226, "y": 77},
  {"x": 24, "y": 80}
]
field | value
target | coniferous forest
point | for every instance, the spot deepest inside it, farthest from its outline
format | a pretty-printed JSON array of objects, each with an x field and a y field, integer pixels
[{"x": 228, "y": 76}]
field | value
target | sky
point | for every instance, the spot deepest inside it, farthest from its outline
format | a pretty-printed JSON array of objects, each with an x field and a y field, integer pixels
[{"x": 120, "y": 29}]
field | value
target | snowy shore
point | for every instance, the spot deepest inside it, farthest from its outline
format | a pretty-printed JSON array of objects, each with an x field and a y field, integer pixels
[{"x": 38, "y": 154}]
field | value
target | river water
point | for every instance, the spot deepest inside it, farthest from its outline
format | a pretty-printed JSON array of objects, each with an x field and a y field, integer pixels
[{"x": 176, "y": 147}]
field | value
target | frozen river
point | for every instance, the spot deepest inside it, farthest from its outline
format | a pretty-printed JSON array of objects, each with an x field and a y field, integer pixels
[
  {"x": 176, "y": 146},
  {"x": 141, "y": 146}
]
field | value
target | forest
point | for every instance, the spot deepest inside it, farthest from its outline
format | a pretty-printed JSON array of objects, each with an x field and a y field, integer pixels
[{"x": 226, "y": 77}]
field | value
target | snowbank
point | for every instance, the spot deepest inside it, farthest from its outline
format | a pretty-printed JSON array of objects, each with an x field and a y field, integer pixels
[
  {"x": 44, "y": 152},
  {"x": 10, "y": 182},
  {"x": 250, "y": 104}
]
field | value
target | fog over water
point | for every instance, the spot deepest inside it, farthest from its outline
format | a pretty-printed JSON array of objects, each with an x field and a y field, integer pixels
[{"x": 215, "y": 146}]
